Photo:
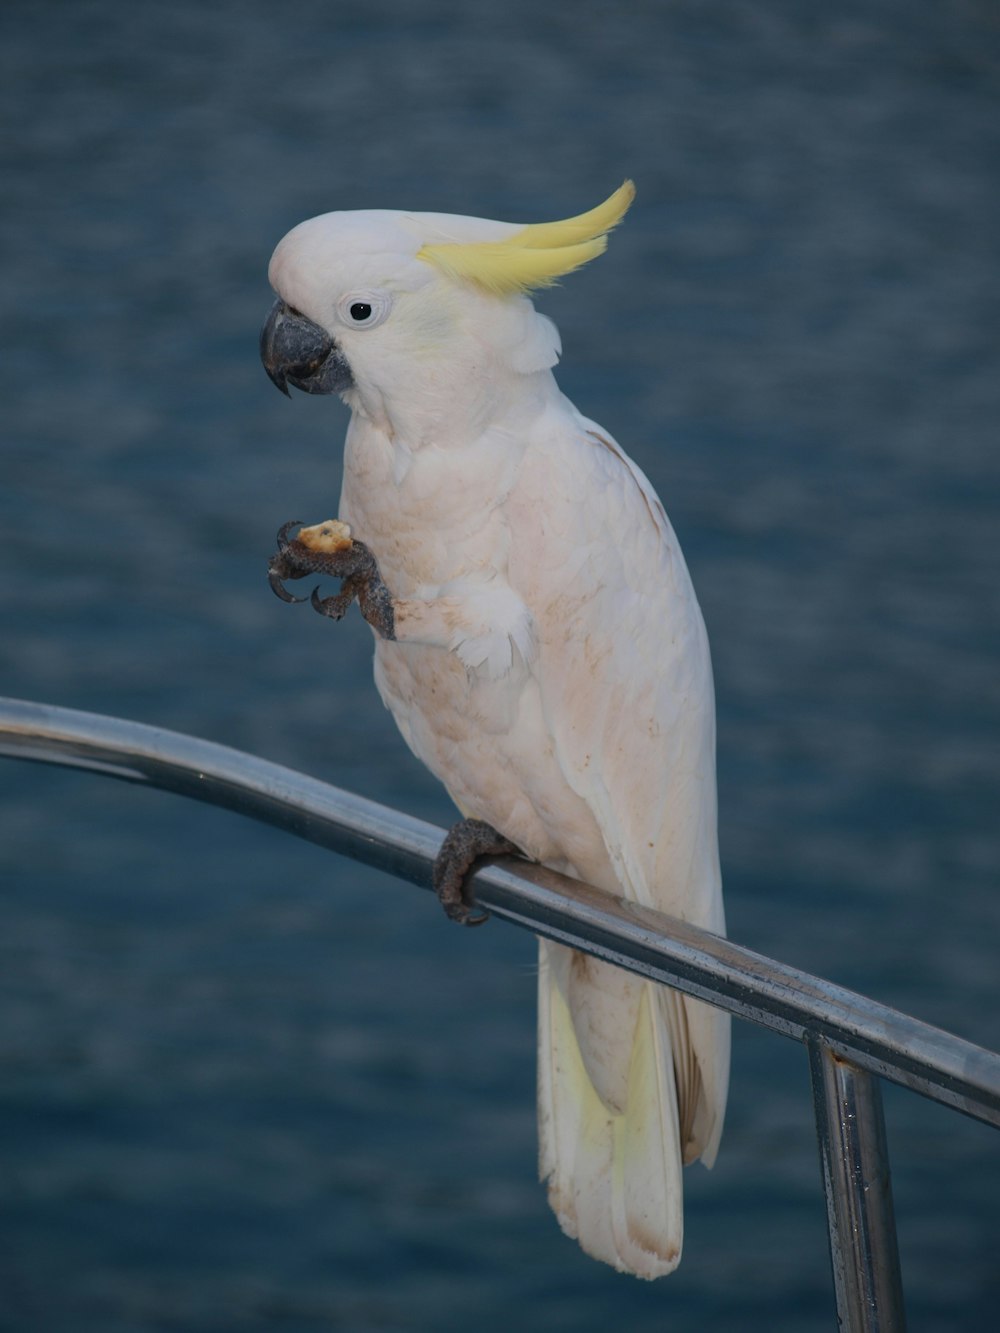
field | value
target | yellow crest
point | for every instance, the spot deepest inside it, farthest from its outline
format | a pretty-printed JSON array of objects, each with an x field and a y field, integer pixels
[{"x": 536, "y": 255}]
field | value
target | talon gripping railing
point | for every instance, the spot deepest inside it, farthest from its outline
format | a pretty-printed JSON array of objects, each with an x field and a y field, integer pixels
[{"x": 851, "y": 1040}]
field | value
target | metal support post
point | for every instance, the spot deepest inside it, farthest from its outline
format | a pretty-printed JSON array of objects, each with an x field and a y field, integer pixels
[{"x": 854, "y": 1158}]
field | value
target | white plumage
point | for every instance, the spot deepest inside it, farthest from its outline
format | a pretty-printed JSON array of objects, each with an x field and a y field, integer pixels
[{"x": 550, "y": 667}]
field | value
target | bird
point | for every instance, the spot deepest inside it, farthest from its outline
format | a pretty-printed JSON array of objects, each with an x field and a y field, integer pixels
[{"x": 540, "y": 646}]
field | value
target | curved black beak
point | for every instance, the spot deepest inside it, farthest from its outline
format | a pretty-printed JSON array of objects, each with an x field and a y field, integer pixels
[{"x": 296, "y": 351}]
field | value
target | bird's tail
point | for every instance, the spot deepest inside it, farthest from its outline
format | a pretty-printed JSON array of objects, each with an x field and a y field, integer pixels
[{"x": 614, "y": 1171}]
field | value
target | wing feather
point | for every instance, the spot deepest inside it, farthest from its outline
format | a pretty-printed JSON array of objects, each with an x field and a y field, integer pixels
[{"x": 626, "y": 685}]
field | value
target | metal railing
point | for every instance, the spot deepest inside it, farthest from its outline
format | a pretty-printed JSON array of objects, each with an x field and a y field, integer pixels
[{"x": 852, "y": 1041}]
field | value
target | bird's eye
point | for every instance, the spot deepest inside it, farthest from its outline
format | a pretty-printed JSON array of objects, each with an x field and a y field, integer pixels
[{"x": 364, "y": 309}]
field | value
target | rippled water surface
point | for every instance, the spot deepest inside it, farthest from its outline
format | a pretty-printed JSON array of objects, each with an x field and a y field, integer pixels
[{"x": 244, "y": 1085}]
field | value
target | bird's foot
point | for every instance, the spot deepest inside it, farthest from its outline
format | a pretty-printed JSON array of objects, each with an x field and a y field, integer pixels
[
  {"x": 328, "y": 549},
  {"x": 464, "y": 844}
]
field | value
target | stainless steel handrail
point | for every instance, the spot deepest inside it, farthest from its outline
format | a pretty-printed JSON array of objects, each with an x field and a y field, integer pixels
[{"x": 849, "y": 1037}]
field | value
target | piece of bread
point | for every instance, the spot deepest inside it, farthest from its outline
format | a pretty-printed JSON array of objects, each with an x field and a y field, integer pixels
[{"x": 329, "y": 536}]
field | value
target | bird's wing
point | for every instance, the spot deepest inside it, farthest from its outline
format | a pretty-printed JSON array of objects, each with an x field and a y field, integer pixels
[
  {"x": 626, "y": 685},
  {"x": 624, "y": 670}
]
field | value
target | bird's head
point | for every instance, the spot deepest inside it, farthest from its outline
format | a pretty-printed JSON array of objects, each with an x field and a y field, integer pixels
[{"x": 411, "y": 316}]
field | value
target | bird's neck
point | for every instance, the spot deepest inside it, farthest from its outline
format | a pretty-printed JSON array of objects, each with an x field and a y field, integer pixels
[
  {"x": 428, "y": 509},
  {"x": 451, "y": 413}
]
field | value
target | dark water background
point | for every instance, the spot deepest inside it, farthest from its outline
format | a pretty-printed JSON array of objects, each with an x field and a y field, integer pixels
[{"x": 246, "y": 1086}]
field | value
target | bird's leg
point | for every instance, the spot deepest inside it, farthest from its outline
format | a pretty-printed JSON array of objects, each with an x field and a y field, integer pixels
[
  {"x": 464, "y": 844},
  {"x": 328, "y": 549}
]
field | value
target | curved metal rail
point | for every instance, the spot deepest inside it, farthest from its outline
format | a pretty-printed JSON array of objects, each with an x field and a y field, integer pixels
[{"x": 850, "y": 1037}]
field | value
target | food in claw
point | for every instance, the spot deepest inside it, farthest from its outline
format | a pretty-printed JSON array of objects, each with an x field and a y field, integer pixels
[
  {"x": 538, "y": 641},
  {"x": 330, "y": 535}
]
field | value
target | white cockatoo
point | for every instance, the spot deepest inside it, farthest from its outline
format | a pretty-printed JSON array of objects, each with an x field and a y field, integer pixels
[{"x": 539, "y": 644}]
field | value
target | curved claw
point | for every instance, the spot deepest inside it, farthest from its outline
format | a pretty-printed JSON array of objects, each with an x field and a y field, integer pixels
[
  {"x": 279, "y": 589},
  {"x": 464, "y": 915},
  {"x": 479, "y": 920},
  {"x": 336, "y": 606},
  {"x": 283, "y": 532},
  {"x": 466, "y": 843}
]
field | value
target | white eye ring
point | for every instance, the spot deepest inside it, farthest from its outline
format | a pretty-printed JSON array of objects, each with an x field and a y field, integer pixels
[{"x": 364, "y": 310}]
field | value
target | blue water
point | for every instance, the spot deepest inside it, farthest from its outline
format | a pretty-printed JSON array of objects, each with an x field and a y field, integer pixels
[{"x": 247, "y": 1086}]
